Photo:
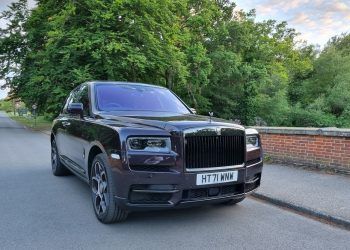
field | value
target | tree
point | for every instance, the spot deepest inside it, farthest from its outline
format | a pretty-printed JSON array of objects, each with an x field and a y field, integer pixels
[
  {"x": 214, "y": 57},
  {"x": 13, "y": 43}
]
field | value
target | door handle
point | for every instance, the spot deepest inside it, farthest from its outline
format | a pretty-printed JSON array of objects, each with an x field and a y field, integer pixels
[{"x": 65, "y": 124}]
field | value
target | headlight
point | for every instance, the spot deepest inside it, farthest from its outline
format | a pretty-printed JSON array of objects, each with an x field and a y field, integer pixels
[
  {"x": 252, "y": 141},
  {"x": 150, "y": 144}
]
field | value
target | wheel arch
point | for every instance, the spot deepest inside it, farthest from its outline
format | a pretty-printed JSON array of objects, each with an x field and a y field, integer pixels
[
  {"x": 94, "y": 150},
  {"x": 52, "y": 137}
]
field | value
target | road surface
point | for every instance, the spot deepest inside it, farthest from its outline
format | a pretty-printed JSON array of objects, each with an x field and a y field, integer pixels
[{"x": 41, "y": 211}]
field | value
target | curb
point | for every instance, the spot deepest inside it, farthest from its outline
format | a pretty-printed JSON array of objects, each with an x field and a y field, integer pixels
[
  {"x": 303, "y": 210},
  {"x": 46, "y": 132}
]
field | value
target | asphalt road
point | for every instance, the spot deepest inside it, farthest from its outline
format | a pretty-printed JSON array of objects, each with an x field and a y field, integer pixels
[{"x": 41, "y": 211}]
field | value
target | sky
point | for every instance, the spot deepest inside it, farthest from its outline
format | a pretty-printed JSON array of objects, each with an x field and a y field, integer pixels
[
  {"x": 316, "y": 20},
  {"x": 3, "y": 93}
]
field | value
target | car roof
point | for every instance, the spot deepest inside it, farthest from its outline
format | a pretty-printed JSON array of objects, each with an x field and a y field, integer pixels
[{"x": 123, "y": 83}]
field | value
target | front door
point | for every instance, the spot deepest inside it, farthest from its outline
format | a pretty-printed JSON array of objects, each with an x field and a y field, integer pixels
[{"x": 76, "y": 145}]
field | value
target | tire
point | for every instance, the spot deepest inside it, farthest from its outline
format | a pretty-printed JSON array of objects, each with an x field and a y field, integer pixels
[
  {"x": 103, "y": 189},
  {"x": 233, "y": 201},
  {"x": 58, "y": 169}
]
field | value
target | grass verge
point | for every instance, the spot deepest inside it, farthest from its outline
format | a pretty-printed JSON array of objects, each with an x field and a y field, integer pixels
[{"x": 40, "y": 124}]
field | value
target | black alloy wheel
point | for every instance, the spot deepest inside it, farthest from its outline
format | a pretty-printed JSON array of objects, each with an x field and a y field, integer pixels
[
  {"x": 103, "y": 190},
  {"x": 58, "y": 169},
  {"x": 99, "y": 188}
]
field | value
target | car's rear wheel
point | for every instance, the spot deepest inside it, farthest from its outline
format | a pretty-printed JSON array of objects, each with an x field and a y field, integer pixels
[
  {"x": 58, "y": 169},
  {"x": 233, "y": 201},
  {"x": 102, "y": 191}
]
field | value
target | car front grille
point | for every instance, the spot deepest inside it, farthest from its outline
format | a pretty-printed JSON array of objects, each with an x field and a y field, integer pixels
[
  {"x": 221, "y": 191},
  {"x": 203, "y": 152},
  {"x": 149, "y": 198}
]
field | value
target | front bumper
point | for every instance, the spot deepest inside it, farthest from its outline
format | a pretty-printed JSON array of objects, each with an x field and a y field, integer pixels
[{"x": 141, "y": 190}]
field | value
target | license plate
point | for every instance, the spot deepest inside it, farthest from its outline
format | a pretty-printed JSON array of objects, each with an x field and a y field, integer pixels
[{"x": 217, "y": 177}]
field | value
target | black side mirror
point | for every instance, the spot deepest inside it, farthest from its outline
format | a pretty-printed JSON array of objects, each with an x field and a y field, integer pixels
[{"x": 75, "y": 109}]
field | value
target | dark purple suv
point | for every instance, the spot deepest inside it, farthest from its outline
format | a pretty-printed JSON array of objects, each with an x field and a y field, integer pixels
[{"x": 140, "y": 147}]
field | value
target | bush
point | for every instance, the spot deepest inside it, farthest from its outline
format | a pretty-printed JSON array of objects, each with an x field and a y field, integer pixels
[
  {"x": 300, "y": 117},
  {"x": 6, "y": 106}
]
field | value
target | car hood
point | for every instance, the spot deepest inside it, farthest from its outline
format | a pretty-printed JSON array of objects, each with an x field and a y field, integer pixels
[{"x": 169, "y": 122}]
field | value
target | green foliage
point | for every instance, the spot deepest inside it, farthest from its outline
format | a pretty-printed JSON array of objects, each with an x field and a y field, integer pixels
[
  {"x": 300, "y": 117},
  {"x": 325, "y": 91},
  {"x": 39, "y": 123},
  {"x": 214, "y": 57},
  {"x": 13, "y": 46},
  {"x": 6, "y": 106}
]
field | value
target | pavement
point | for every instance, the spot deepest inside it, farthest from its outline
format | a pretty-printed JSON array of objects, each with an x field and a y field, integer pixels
[
  {"x": 41, "y": 211},
  {"x": 312, "y": 192}
]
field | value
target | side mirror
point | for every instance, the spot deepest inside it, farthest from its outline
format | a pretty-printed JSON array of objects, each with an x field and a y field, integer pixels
[
  {"x": 75, "y": 109},
  {"x": 193, "y": 110}
]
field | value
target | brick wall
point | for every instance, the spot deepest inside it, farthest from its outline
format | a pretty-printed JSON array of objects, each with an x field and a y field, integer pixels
[{"x": 329, "y": 148}]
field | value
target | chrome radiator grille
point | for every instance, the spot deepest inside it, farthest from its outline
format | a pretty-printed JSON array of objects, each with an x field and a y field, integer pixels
[{"x": 202, "y": 152}]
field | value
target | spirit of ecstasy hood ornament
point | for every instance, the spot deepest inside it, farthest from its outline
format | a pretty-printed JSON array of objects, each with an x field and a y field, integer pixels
[{"x": 210, "y": 116}]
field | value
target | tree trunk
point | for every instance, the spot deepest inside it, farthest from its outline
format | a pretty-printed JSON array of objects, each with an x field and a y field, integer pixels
[{"x": 169, "y": 77}]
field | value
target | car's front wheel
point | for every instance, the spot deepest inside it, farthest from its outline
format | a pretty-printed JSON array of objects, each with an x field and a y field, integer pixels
[
  {"x": 102, "y": 191},
  {"x": 58, "y": 169}
]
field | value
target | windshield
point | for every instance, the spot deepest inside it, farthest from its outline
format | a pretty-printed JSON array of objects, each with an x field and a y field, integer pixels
[{"x": 130, "y": 97}]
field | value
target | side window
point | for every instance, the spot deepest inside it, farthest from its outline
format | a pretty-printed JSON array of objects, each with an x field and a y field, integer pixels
[
  {"x": 85, "y": 100},
  {"x": 68, "y": 101},
  {"x": 82, "y": 96}
]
